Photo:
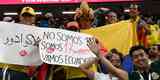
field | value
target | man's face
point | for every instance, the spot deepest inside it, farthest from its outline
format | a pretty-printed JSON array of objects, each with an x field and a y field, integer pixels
[
  {"x": 28, "y": 20},
  {"x": 140, "y": 58},
  {"x": 134, "y": 12},
  {"x": 153, "y": 51},
  {"x": 112, "y": 19}
]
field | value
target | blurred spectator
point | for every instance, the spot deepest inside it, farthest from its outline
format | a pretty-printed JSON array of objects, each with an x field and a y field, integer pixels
[
  {"x": 8, "y": 19},
  {"x": 156, "y": 66},
  {"x": 140, "y": 25},
  {"x": 73, "y": 26},
  {"x": 50, "y": 18},
  {"x": 73, "y": 73},
  {"x": 27, "y": 16},
  {"x": 100, "y": 14},
  {"x": 104, "y": 16},
  {"x": 158, "y": 22},
  {"x": 153, "y": 53},
  {"x": 84, "y": 15},
  {"x": 116, "y": 59},
  {"x": 19, "y": 72},
  {"x": 47, "y": 21},
  {"x": 153, "y": 37},
  {"x": 111, "y": 18}
]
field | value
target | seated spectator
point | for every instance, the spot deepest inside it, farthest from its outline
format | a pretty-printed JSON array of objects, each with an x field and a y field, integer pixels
[
  {"x": 153, "y": 52},
  {"x": 143, "y": 71},
  {"x": 114, "y": 72},
  {"x": 116, "y": 59},
  {"x": 156, "y": 66}
]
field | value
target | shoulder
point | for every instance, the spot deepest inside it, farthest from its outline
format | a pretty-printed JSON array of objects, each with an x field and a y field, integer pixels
[
  {"x": 155, "y": 70},
  {"x": 155, "y": 64},
  {"x": 134, "y": 76},
  {"x": 155, "y": 67},
  {"x": 141, "y": 22}
]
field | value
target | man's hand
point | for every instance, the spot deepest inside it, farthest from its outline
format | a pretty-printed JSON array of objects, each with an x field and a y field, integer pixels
[{"x": 94, "y": 46}]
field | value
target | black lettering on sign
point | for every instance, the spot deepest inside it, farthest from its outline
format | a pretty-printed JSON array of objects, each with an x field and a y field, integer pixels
[
  {"x": 22, "y": 39},
  {"x": 32, "y": 40},
  {"x": 46, "y": 45},
  {"x": 74, "y": 60},
  {"x": 65, "y": 59},
  {"x": 59, "y": 36},
  {"x": 74, "y": 39},
  {"x": 66, "y": 37},
  {"x": 49, "y": 35},
  {"x": 61, "y": 59},
  {"x": 11, "y": 40},
  {"x": 29, "y": 39},
  {"x": 79, "y": 61},
  {"x": 66, "y": 56},
  {"x": 56, "y": 58},
  {"x": 47, "y": 58}
]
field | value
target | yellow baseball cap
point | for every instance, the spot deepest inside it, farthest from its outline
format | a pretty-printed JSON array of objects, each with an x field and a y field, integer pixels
[{"x": 28, "y": 10}]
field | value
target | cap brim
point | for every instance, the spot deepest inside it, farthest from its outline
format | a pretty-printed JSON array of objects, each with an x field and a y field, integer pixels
[{"x": 27, "y": 14}]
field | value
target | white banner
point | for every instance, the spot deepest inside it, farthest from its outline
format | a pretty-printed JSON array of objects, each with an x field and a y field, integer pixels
[
  {"x": 64, "y": 47},
  {"x": 19, "y": 44}
]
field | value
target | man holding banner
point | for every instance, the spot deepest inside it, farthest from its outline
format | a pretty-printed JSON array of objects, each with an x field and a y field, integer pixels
[
  {"x": 16, "y": 71},
  {"x": 84, "y": 16}
]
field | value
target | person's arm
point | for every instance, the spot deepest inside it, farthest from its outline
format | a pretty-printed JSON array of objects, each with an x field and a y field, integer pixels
[
  {"x": 85, "y": 68},
  {"x": 144, "y": 25},
  {"x": 123, "y": 75},
  {"x": 91, "y": 14},
  {"x": 77, "y": 14},
  {"x": 95, "y": 48}
]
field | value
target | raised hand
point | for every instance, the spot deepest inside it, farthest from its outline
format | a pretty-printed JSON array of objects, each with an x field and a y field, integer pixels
[{"x": 94, "y": 46}]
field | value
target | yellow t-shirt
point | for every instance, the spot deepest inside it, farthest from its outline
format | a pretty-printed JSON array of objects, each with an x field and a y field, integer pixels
[
  {"x": 18, "y": 68},
  {"x": 76, "y": 72},
  {"x": 153, "y": 38}
]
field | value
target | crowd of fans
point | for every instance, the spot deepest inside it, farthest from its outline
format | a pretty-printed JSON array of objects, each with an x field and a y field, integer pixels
[{"x": 142, "y": 63}]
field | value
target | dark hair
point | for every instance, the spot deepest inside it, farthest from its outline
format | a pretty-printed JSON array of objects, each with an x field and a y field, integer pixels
[
  {"x": 158, "y": 47},
  {"x": 114, "y": 51},
  {"x": 137, "y": 47}
]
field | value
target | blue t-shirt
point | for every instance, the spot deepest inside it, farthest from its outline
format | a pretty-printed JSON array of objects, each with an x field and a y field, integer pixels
[{"x": 127, "y": 64}]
